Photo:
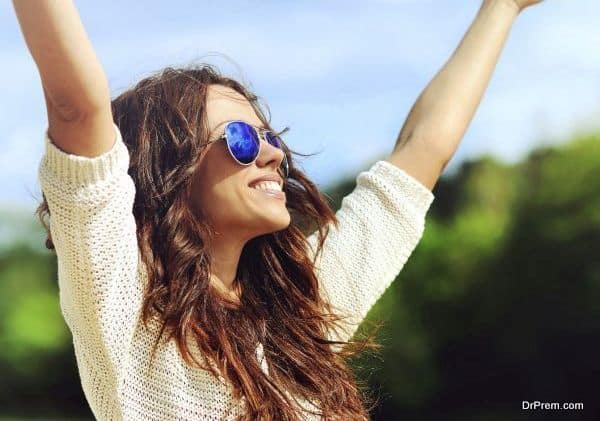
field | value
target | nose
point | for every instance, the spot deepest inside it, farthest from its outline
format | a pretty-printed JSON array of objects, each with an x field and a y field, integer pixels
[{"x": 269, "y": 156}]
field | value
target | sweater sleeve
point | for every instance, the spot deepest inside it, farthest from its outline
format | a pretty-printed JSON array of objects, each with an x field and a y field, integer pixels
[
  {"x": 94, "y": 234},
  {"x": 380, "y": 223}
]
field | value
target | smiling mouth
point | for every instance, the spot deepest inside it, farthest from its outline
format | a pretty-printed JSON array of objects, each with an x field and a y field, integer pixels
[{"x": 276, "y": 194}]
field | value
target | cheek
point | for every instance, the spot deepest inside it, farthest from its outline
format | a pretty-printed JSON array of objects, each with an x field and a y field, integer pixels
[
  {"x": 216, "y": 189},
  {"x": 224, "y": 197},
  {"x": 223, "y": 201}
]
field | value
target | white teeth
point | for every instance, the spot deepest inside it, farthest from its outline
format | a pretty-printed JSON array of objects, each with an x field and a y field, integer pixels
[{"x": 267, "y": 185}]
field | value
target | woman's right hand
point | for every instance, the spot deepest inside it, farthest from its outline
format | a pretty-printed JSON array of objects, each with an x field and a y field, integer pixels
[{"x": 75, "y": 86}]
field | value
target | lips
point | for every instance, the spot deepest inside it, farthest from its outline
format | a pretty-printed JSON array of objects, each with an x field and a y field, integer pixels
[
  {"x": 267, "y": 177},
  {"x": 268, "y": 192}
]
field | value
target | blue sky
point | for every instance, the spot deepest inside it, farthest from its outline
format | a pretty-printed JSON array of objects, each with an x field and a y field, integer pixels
[{"x": 342, "y": 74}]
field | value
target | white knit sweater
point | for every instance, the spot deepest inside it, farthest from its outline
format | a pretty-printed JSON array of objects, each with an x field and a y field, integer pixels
[{"x": 101, "y": 279}]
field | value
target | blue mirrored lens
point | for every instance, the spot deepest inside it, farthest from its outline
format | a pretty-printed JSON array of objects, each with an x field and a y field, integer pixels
[
  {"x": 242, "y": 140},
  {"x": 273, "y": 140},
  {"x": 276, "y": 141}
]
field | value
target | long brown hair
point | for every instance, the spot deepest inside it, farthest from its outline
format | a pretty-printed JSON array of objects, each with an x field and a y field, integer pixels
[{"x": 162, "y": 120}]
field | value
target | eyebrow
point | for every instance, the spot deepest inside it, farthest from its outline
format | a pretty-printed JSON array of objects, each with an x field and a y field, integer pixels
[{"x": 262, "y": 126}]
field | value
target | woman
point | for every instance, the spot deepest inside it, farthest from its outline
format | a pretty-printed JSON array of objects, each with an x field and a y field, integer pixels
[{"x": 201, "y": 273}]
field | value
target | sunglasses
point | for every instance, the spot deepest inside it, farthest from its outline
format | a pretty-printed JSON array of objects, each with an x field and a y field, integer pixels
[{"x": 243, "y": 143}]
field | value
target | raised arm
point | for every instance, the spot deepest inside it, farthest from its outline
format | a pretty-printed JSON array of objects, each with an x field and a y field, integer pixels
[
  {"x": 439, "y": 118},
  {"x": 382, "y": 221},
  {"x": 84, "y": 177},
  {"x": 75, "y": 86}
]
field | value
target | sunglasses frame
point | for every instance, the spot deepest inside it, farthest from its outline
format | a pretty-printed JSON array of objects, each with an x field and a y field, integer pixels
[{"x": 261, "y": 134}]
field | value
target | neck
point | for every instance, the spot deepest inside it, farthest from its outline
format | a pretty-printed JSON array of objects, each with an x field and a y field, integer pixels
[{"x": 226, "y": 251}]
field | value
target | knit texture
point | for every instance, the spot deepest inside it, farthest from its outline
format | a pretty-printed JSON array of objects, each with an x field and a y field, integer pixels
[{"x": 101, "y": 279}]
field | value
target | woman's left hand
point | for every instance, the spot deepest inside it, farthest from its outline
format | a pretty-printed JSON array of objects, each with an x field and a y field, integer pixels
[{"x": 522, "y": 4}]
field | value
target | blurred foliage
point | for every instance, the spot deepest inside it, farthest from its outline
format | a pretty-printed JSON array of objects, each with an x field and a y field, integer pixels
[{"x": 497, "y": 304}]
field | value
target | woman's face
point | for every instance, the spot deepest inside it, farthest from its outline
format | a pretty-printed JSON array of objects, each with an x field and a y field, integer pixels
[{"x": 221, "y": 186}]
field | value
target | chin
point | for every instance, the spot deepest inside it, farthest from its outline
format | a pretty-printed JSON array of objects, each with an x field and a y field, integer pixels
[
  {"x": 284, "y": 222},
  {"x": 279, "y": 223}
]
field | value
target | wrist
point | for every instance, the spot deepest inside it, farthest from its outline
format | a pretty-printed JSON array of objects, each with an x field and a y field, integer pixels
[{"x": 510, "y": 6}]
